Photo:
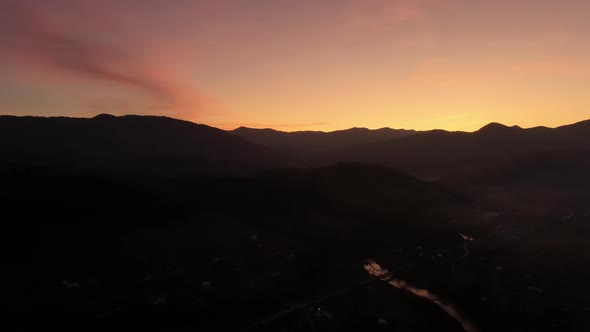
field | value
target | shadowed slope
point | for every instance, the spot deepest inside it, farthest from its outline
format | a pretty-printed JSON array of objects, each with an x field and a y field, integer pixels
[
  {"x": 441, "y": 153},
  {"x": 129, "y": 144},
  {"x": 317, "y": 140}
]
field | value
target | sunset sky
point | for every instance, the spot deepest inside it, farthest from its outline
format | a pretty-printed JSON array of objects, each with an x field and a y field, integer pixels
[{"x": 300, "y": 64}]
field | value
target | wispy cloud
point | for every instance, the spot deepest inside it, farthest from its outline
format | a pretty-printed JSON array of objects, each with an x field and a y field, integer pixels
[{"x": 29, "y": 38}]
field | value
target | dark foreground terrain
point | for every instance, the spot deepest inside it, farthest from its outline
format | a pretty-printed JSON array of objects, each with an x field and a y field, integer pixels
[{"x": 108, "y": 234}]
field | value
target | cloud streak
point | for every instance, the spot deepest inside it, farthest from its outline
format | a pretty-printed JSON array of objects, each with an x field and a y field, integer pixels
[{"x": 28, "y": 38}]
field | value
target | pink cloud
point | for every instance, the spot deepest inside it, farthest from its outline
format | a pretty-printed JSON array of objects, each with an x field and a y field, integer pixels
[{"x": 30, "y": 38}]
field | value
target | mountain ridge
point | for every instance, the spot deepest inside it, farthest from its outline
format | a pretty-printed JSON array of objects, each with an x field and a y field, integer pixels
[
  {"x": 112, "y": 116},
  {"x": 129, "y": 143},
  {"x": 169, "y": 146}
]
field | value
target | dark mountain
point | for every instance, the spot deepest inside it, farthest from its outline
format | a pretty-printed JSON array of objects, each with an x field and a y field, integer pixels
[
  {"x": 134, "y": 144},
  {"x": 234, "y": 240},
  {"x": 311, "y": 141},
  {"x": 439, "y": 154},
  {"x": 555, "y": 181},
  {"x": 497, "y": 128}
]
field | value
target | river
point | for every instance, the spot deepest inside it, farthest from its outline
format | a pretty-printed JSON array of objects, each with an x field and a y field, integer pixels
[{"x": 376, "y": 270}]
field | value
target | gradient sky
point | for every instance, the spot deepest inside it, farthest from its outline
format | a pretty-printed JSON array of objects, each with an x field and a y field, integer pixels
[{"x": 300, "y": 64}]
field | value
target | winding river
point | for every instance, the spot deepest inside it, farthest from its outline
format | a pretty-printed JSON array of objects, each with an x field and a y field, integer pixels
[{"x": 376, "y": 270}]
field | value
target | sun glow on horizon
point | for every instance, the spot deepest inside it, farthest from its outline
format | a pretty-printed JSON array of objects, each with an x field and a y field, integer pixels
[{"x": 301, "y": 65}]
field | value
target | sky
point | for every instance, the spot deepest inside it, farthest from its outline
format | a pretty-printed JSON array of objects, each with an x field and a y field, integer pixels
[{"x": 300, "y": 64}]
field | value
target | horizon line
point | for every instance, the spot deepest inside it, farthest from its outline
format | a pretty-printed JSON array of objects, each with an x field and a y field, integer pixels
[{"x": 245, "y": 125}]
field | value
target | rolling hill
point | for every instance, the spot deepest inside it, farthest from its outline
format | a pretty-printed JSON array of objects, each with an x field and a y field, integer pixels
[
  {"x": 132, "y": 144},
  {"x": 442, "y": 154},
  {"x": 311, "y": 141}
]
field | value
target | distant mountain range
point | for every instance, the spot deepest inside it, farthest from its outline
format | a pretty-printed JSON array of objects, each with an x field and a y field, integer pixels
[
  {"x": 152, "y": 223},
  {"x": 441, "y": 153},
  {"x": 431, "y": 154},
  {"x": 318, "y": 140},
  {"x": 160, "y": 145},
  {"x": 129, "y": 144}
]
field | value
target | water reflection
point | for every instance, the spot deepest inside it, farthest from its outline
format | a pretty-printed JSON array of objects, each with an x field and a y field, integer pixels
[{"x": 376, "y": 270}]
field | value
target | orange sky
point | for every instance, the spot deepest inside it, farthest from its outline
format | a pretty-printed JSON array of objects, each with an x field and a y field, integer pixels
[{"x": 305, "y": 64}]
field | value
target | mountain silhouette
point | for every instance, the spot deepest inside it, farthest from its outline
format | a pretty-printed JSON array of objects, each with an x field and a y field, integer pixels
[
  {"x": 164, "y": 145},
  {"x": 440, "y": 153},
  {"x": 496, "y": 128},
  {"x": 152, "y": 223},
  {"x": 141, "y": 144},
  {"x": 318, "y": 140}
]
